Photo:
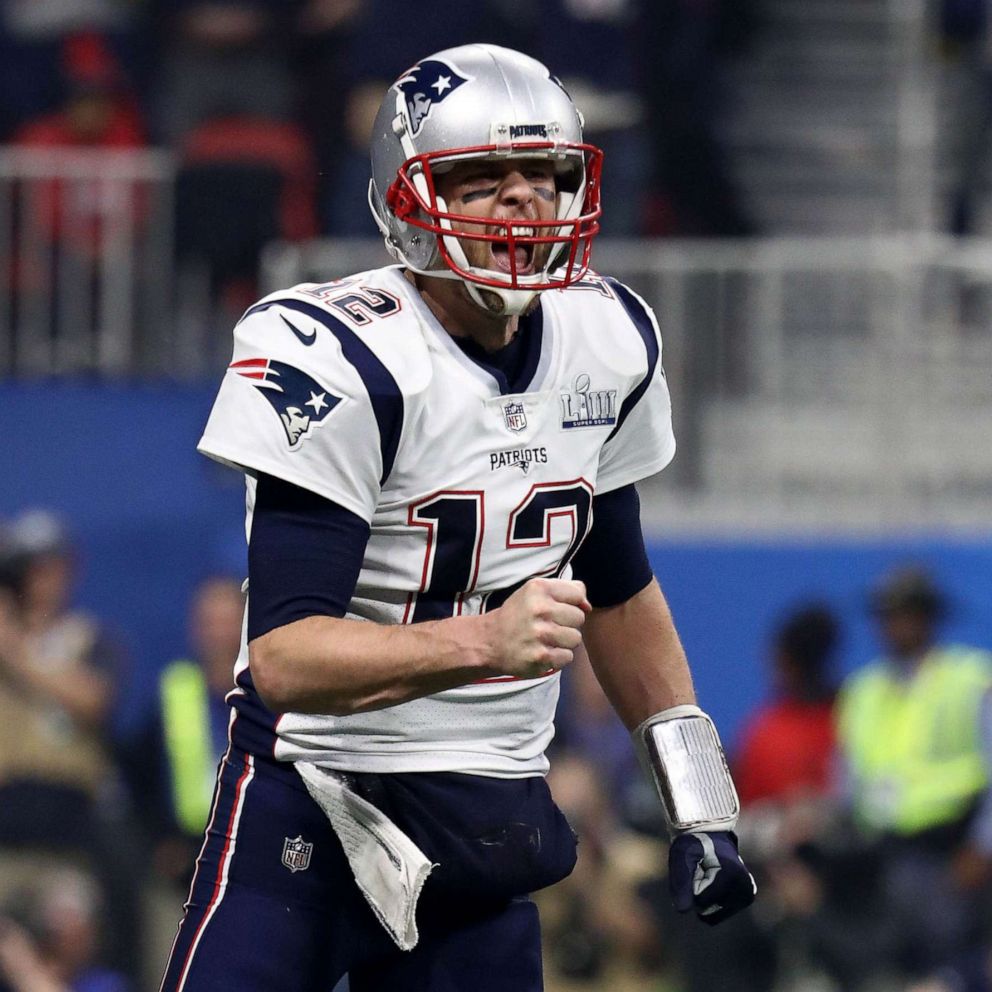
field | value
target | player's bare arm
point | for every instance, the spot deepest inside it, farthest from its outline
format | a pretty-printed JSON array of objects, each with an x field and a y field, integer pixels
[
  {"x": 637, "y": 656},
  {"x": 340, "y": 666}
]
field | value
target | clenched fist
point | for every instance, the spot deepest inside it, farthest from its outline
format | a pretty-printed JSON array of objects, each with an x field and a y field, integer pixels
[{"x": 538, "y": 628}]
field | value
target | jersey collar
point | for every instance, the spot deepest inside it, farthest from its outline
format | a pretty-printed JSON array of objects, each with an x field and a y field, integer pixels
[{"x": 540, "y": 346}]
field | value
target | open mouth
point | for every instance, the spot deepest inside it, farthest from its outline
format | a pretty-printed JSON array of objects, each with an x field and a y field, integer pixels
[{"x": 523, "y": 254}]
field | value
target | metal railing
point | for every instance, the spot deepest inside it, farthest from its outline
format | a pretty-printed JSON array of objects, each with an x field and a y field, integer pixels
[{"x": 86, "y": 255}]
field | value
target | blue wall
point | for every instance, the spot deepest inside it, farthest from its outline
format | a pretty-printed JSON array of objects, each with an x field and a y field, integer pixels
[{"x": 151, "y": 517}]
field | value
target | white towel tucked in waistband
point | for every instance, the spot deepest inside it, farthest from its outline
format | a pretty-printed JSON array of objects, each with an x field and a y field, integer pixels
[{"x": 388, "y": 867}]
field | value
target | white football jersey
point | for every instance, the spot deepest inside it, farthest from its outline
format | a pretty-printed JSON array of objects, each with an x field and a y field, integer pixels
[{"x": 353, "y": 390}]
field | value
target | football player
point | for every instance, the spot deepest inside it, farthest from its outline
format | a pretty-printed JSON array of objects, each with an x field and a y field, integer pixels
[{"x": 440, "y": 459}]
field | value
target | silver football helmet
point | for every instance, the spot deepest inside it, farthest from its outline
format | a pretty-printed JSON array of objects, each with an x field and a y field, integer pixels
[{"x": 482, "y": 101}]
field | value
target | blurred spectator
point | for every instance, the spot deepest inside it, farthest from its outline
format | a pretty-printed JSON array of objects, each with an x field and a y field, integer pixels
[
  {"x": 816, "y": 880},
  {"x": 50, "y": 938},
  {"x": 226, "y": 102},
  {"x": 786, "y": 750},
  {"x": 32, "y": 36},
  {"x": 98, "y": 110},
  {"x": 59, "y": 787},
  {"x": 592, "y": 45},
  {"x": 915, "y": 728},
  {"x": 187, "y": 735},
  {"x": 59, "y": 674},
  {"x": 222, "y": 58},
  {"x": 334, "y": 119},
  {"x": 966, "y": 41},
  {"x": 783, "y": 773},
  {"x": 684, "y": 47},
  {"x": 243, "y": 181}
]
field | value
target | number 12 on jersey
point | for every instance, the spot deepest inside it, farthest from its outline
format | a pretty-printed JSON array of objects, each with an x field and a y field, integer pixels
[{"x": 455, "y": 522}]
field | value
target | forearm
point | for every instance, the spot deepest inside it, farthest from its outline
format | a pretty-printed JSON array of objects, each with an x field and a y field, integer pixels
[
  {"x": 637, "y": 656},
  {"x": 640, "y": 662},
  {"x": 324, "y": 664},
  {"x": 331, "y": 665}
]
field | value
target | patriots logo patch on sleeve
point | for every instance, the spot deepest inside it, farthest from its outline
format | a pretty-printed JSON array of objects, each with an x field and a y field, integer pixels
[
  {"x": 300, "y": 401},
  {"x": 424, "y": 86}
]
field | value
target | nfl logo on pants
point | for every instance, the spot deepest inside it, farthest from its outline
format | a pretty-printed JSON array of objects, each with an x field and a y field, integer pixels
[{"x": 296, "y": 854}]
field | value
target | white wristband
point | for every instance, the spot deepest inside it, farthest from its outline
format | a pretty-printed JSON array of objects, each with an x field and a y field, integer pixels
[{"x": 681, "y": 749}]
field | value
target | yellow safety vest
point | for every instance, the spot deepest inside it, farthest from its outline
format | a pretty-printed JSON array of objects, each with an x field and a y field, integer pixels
[
  {"x": 913, "y": 744},
  {"x": 188, "y": 743}
]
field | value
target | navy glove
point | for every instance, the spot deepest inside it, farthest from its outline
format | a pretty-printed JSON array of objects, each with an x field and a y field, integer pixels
[{"x": 705, "y": 873}]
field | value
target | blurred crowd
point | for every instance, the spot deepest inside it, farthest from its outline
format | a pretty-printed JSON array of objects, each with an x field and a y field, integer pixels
[
  {"x": 867, "y": 803},
  {"x": 99, "y": 828},
  {"x": 268, "y": 104}
]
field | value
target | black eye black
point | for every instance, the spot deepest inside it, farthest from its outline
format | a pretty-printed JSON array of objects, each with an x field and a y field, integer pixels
[{"x": 478, "y": 194}]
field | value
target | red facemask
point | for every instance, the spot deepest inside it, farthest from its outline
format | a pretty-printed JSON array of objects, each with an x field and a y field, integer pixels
[{"x": 570, "y": 239}]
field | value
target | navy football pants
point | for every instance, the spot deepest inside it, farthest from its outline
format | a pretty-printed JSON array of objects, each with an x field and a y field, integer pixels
[{"x": 254, "y": 925}]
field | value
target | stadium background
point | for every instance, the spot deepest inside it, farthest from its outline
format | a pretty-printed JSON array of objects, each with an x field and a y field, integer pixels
[{"x": 799, "y": 187}]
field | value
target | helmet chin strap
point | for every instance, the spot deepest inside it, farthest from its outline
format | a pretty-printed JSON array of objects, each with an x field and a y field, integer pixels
[{"x": 510, "y": 302}]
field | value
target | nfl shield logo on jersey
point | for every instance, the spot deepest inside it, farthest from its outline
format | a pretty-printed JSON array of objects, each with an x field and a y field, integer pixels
[
  {"x": 296, "y": 854},
  {"x": 515, "y": 416}
]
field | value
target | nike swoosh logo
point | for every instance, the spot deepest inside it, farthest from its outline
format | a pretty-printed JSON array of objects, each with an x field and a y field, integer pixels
[{"x": 306, "y": 339}]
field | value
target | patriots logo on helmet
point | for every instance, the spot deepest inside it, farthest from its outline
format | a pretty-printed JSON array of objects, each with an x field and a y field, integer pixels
[
  {"x": 424, "y": 87},
  {"x": 301, "y": 402}
]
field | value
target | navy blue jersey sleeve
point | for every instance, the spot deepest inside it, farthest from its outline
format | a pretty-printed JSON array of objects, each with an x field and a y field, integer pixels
[
  {"x": 304, "y": 556},
  {"x": 612, "y": 560}
]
